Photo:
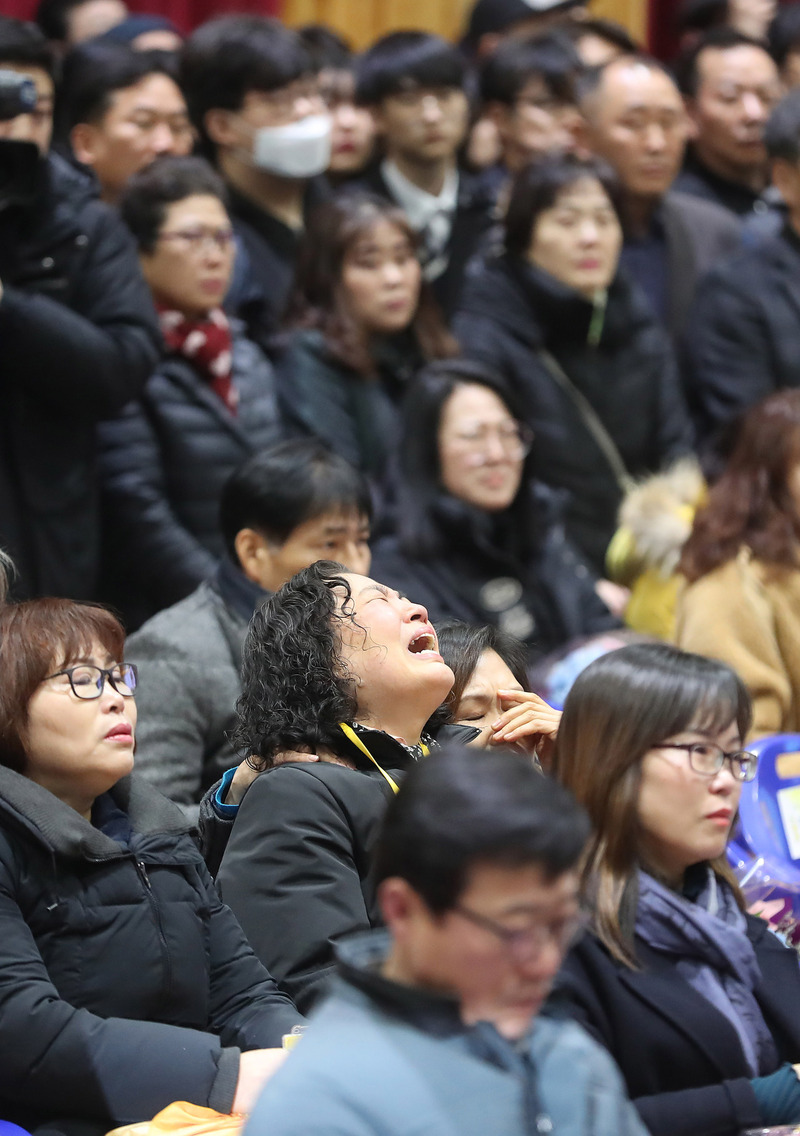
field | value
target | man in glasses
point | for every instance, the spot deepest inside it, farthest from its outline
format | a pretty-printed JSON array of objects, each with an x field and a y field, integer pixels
[{"x": 434, "y": 1027}]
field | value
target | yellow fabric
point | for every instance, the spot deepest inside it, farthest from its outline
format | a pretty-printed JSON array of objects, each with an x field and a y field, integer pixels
[
  {"x": 184, "y": 1119},
  {"x": 651, "y": 608},
  {"x": 747, "y": 616}
]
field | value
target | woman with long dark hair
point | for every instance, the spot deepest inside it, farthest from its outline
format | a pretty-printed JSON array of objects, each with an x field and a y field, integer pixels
[
  {"x": 477, "y": 539},
  {"x": 697, "y": 1001},
  {"x": 361, "y": 323},
  {"x": 742, "y": 564},
  {"x": 594, "y": 371}
]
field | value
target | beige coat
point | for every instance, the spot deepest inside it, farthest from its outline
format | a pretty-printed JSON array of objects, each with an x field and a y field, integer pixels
[{"x": 749, "y": 617}]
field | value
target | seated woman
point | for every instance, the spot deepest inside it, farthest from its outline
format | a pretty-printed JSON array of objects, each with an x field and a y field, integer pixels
[
  {"x": 210, "y": 404},
  {"x": 339, "y": 666},
  {"x": 742, "y": 564},
  {"x": 124, "y": 983},
  {"x": 361, "y": 323},
  {"x": 593, "y": 369},
  {"x": 477, "y": 539},
  {"x": 697, "y": 1001}
]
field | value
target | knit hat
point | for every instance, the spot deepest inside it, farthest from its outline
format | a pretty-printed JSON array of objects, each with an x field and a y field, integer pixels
[
  {"x": 133, "y": 26},
  {"x": 490, "y": 16}
]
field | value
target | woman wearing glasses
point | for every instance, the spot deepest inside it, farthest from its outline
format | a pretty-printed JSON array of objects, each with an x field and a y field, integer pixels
[
  {"x": 697, "y": 1001},
  {"x": 208, "y": 407},
  {"x": 125, "y": 984},
  {"x": 477, "y": 540},
  {"x": 581, "y": 345}
]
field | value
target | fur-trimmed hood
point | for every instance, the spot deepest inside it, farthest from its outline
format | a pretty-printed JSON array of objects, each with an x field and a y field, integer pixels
[{"x": 656, "y": 519}]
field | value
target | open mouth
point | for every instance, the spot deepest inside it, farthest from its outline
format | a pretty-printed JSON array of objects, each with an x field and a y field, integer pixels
[{"x": 425, "y": 641}]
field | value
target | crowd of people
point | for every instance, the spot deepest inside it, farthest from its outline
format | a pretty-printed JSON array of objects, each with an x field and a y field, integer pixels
[{"x": 373, "y": 396}]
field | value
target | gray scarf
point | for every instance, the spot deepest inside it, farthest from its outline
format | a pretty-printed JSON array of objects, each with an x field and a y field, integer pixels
[{"x": 708, "y": 941}]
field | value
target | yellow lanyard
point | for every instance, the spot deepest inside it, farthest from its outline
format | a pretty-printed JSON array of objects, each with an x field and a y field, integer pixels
[{"x": 352, "y": 736}]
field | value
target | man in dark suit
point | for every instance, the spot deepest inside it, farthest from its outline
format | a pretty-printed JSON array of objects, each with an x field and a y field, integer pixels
[
  {"x": 743, "y": 338},
  {"x": 635, "y": 120},
  {"x": 415, "y": 86}
]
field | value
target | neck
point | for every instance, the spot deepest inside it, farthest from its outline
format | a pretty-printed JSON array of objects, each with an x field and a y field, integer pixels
[
  {"x": 428, "y": 176},
  {"x": 637, "y": 214},
  {"x": 403, "y": 726},
  {"x": 282, "y": 197},
  {"x": 752, "y": 177}
]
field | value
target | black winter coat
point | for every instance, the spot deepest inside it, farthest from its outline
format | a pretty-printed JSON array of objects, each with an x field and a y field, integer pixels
[
  {"x": 163, "y": 464},
  {"x": 479, "y": 576},
  {"x": 510, "y": 313},
  {"x": 124, "y": 982},
  {"x": 78, "y": 338},
  {"x": 356, "y": 417},
  {"x": 296, "y": 868},
  {"x": 682, "y": 1060},
  {"x": 742, "y": 341}
]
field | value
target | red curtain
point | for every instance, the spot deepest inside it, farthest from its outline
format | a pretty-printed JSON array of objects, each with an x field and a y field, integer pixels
[{"x": 187, "y": 14}]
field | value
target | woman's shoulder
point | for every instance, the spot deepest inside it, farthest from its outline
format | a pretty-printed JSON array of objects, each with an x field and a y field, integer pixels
[{"x": 305, "y": 785}]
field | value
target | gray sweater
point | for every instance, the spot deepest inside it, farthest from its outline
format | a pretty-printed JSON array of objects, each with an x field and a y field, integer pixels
[{"x": 189, "y": 660}]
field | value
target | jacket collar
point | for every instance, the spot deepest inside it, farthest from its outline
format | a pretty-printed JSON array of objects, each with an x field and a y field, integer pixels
[
  {"x": 239, "y": 594},
  {"x": 65, "y": 832}
]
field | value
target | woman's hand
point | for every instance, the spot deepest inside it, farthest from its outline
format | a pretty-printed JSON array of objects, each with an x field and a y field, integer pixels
[
  {"x": 246, "y": 774},
  {"x": 255, "y": 1069},
  {"x": 528, "y": 722}
]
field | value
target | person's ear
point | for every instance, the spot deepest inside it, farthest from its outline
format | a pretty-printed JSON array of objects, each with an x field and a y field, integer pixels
[
  {"x": 254, "y": 554},
  {"x": 399, "y": 904},
  {"x": 84, "y": 139},
  {"x": 692, "y": 126},
  {"x": 581, "y": 130},
  {"x": 222, "y": 128}
]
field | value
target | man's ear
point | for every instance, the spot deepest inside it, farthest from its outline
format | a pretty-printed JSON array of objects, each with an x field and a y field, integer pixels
[
  {"x": 84, "y": 138},
  {"x": 221, "y": 128},
  {"x": 254, "y": 554},
  {"x": 692, "y": 128},
  {"x": 398, "y": 903}
]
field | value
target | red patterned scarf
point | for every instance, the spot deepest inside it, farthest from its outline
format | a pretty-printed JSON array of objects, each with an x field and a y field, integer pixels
[{"x": 207, "y": 345}]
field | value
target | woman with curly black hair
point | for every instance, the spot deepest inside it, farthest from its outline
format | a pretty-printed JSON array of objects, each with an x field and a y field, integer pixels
[{"x": 340, "y": 667}]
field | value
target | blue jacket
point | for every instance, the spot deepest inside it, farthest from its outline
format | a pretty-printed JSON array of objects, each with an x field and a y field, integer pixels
[{"x": 381, "y": 1059}]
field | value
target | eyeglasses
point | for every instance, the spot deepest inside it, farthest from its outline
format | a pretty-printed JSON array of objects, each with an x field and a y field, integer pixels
[
  {"x": 88, "y": 681},
  {"x": 515, "y": 440},
  {"x": 197, "y": 240},
  {"x": 707, "y": 758},
  {"x": 526, "y": 944}
]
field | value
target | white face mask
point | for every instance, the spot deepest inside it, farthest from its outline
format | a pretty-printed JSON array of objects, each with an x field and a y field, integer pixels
[{"x": 298, "y": 150}]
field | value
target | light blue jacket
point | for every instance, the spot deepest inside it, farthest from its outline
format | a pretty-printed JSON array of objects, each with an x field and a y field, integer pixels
[{"x": 381, "y": 1059}]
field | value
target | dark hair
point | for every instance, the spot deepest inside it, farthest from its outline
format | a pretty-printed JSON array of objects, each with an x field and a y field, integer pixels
[
  {"x": 538, "y": 186},
  {"x": 619, "y": 707},
  {"x": 687, "y": 66},
  {"x": 750, "y": 504},
  {"x": 326, "y": 49},
  {"x": 52, "y": 17},
  {"x": 463, "y": 808},
  {"x": 137, "y": 25},
  {"x": 404, "y": 61},
  {"x": 317, "y": 299},
  {"x": 282, "y": 487},
  {"x": 489, "y": 17},
  {"x": 224, "y": 59},
  {"x": 37, "y": 638},
  {"x": 23, "y": 43},
  {"x": 94, "y": 71},
  {"x": 782, "y": 131},
  {"x": 150, "y": 192},
  {"x": 608, "y": 30},
  {"x": 461, "y": 646},
  {"x": 295, "y": 687},
  {"x": 701, "y": 15},
  {"x": 421, "y": 491},
  {"x": 783, "y": 36},
  {"x": 509, "y": 69}
]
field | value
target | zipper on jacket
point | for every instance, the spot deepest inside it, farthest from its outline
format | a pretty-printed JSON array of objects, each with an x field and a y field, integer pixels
[{"x": 142, "y": 872}]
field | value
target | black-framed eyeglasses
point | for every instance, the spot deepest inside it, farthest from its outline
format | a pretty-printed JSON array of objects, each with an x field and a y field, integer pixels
[
  {"x": 528, "y": 942},
  {"x": 87, "y": 681},
  {"x": 707, "y": 758}
]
